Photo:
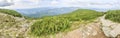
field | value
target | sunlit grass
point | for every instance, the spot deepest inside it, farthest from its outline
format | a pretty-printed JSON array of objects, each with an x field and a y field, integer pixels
[{"x": 60, "y": 23}]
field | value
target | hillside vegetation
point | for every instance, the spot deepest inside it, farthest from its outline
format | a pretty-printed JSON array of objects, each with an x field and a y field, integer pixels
[
  {"x": 10, "y": 12},
  {"x": 12, "y": 24},
  {"x": 7, "y": 18},
  {"x": 55, "y": 24},
  {"x": 113, "y": 15}
]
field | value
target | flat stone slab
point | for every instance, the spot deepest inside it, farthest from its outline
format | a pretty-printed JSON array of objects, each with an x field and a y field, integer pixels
[{"x": 110, "y": 29}]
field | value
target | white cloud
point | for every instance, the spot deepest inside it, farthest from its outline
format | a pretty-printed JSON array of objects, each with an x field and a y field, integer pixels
[
  {"x": 89, "y": 3},
  {"x": 4, "y": 3},
  {"x": 65, "y": 3},
  {"x": 22, "y": 4},
  {"x": 54, "y": 2}
]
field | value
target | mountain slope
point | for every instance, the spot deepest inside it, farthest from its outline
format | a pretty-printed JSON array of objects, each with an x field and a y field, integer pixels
[
  {"x": 11, "y": 12},
  {"x": 60, "y": 23},
  {"x": 13, "y": 27}
]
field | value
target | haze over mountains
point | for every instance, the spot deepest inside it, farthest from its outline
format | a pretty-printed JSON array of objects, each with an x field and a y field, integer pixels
[{"x": 46, "y": 11}]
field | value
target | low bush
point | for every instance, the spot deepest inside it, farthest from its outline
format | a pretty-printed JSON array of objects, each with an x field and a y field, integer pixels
[{"x": 113, "y": 15}]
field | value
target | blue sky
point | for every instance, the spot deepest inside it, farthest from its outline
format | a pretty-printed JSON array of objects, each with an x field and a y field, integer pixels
[{"x": 23, "y": 4}]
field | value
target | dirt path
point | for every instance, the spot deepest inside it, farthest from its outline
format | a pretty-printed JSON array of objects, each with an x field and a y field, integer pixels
[{"x": 91, "y": 30}]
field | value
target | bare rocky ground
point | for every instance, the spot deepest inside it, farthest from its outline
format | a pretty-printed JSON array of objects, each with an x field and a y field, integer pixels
[
  {"x": 13, "y": 27},
  {"x": 101, "y": 28},
  {"x": 110, "y": 29},
  {"x": 91, "y": 30}
]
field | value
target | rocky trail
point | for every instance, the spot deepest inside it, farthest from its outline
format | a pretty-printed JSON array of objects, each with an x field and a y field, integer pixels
[
  {"x": 110, "y": 29},
  {"x": 91, "y": 30},
  {"x": 101, "y": 28}
]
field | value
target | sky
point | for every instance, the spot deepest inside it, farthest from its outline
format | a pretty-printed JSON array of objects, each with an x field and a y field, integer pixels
[{"x": 24, "y": 4}]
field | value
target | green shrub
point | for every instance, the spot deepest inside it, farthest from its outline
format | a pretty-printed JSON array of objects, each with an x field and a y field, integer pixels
[
  {"x": 10, "y": 12},
  {"x": 54, "y": 24},
  {"x": 113, "y": 15},
  {"x": 49, "y": 26}
]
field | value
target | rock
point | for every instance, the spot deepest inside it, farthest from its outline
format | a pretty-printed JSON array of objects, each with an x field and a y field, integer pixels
[
  {"x": 118, "y": 36},
  {"x": 110, "y": 29},
  {"x": 11, "y": 27},
  {"x": 115, "y": 31},
  {"x": 91, "y": 30},
  {"x": 106, "y": 30}
]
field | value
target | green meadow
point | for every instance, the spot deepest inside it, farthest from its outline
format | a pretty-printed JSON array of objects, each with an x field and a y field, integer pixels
[{"x": 60, "y": 23}]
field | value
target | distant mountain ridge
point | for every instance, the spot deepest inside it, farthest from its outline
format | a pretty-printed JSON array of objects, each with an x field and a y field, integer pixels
[
  {"x": 48, "y": 11},
  {"x": 45, "y": 11}
]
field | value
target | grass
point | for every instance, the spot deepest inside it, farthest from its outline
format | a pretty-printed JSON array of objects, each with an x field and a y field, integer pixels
[
  {"x": 60, "y": 23},
  {"x": 113, "y": 15},
  {"x": 10, "y": 12}
]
